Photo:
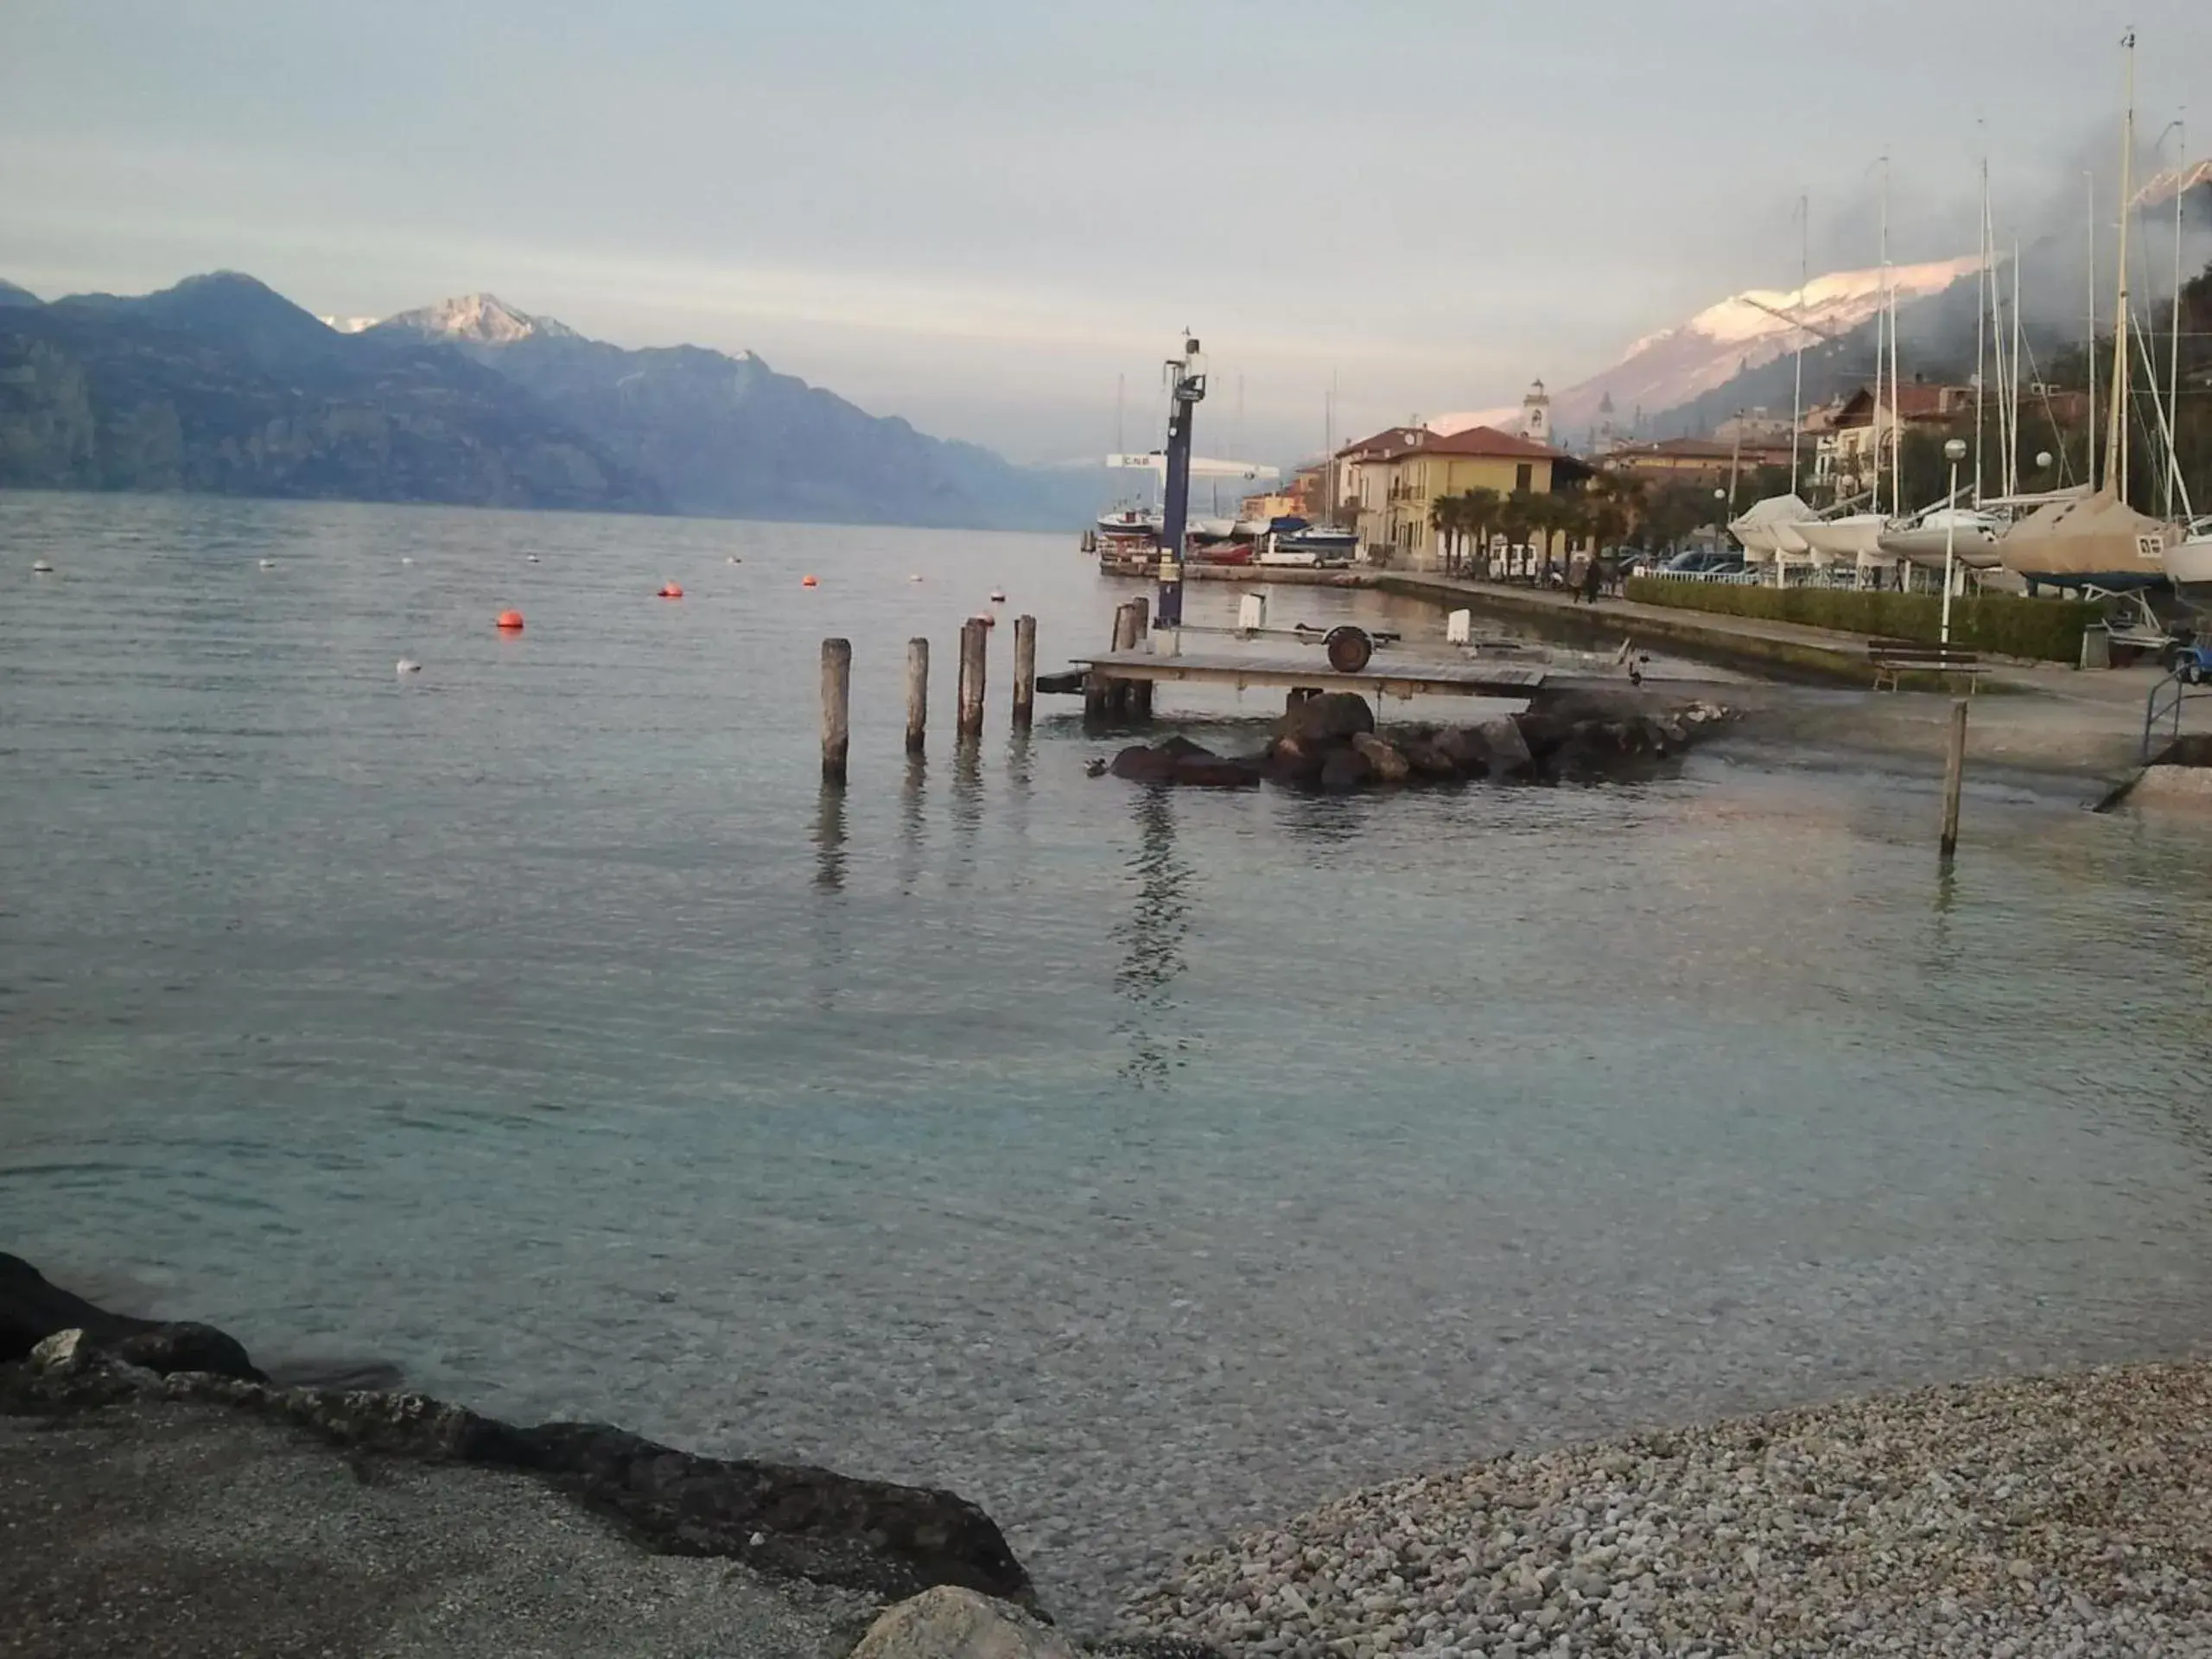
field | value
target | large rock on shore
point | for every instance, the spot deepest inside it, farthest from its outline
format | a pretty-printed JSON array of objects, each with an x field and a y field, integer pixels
[
  {"x": 789, "y": 1519},
  {"x": 32, "y": 1310},
  {"x": 948, "y": 1623}
]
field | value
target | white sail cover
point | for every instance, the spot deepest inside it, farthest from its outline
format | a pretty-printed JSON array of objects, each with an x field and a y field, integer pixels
[{"x": 1766, "y": 528}]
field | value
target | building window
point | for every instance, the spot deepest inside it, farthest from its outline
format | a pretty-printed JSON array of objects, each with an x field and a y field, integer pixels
[{"x": 1524, "y": 475}]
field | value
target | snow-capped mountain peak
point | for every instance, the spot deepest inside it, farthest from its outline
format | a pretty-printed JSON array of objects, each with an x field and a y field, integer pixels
[
  {"x": 1665, "y": 369},
  {"x": 477, "y": 318}
]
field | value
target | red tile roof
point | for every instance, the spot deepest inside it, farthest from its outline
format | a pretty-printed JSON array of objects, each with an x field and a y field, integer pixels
[{"x": 1397, "y": 443}]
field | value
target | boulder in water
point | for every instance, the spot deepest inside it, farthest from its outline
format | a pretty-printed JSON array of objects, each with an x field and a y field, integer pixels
[
  {"x": 1330, "y": 717},
  {"x": 1389, "y": 765}
]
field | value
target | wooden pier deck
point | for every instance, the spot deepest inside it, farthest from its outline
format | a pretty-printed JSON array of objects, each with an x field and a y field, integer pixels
[{"x": 1388, "y": 674}]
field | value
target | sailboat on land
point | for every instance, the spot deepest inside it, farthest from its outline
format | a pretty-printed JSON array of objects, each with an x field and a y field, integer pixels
[{"x": 2096, "y": 539}]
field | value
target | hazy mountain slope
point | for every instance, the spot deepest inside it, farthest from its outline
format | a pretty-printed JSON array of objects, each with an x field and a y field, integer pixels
[
  {"x": 220, "y": 385},
  {"x": 728, "y": 435},
  {"x": 1677, "y": 367}
]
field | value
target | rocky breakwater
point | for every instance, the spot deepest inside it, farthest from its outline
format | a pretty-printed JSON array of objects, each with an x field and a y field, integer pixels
[
  {"x": 1331, "y": 742},
  {"x": 138, "y": 1389}
]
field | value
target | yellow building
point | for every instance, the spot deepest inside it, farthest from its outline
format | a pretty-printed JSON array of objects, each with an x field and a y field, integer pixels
[{"x": 1397, "y": 476}]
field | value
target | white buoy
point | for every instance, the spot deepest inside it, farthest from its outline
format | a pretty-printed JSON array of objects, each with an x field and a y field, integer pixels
[
  {"x": 407, "y": 665},
  {"x": 998, "y": 596},
  {"x": 916, "y": 577},
  {"x": 405, "y": 560},
  {"x": 533, "y": 558},
  {"x": 269, "y": 564},
  {"x": 40, "y": 568},
  {"x": 733, "y": 559}
]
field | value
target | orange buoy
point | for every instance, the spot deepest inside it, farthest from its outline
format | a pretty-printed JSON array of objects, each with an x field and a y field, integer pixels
[
  {"x": 670, "y": 590},
  {"x": 808, "y": 582},
  {"x": 510, "y": 621}
]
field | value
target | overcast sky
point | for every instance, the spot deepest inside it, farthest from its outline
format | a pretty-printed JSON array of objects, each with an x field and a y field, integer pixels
[{"x": 977, "y": 213}]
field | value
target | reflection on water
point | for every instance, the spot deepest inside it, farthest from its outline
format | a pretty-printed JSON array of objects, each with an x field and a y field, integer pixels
[
  {"x": 914, "y": 797},
  {"x": 830, "y": 838},
  {"x": 1151, "y": 939}
]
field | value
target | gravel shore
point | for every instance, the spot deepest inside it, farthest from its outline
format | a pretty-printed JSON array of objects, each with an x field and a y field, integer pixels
[{"x": 2065, "y": 1516}]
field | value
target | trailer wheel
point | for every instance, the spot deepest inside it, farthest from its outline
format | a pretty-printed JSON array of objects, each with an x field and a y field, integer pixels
[{"x": 1349, "y": 648}]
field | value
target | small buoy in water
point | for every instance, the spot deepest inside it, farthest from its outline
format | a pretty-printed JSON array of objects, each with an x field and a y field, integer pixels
[
  {"x": 531, "y": 558},
  {"x": 808, "y": 582},
  {"x": 670, "y": 590},
  {"x": 998, "y": 596},
  {"x": 916, "y": 576},
  {"x": 1094, "y": 768},
  {"x": 405, "y": 560},
  {"x": 407, "y": 665},
  {"x": 269, "y": 564},
  {"x": 733, "y": 559},
  {"x": 510, "y": 621},
  {"x": 40, "y": 568}
]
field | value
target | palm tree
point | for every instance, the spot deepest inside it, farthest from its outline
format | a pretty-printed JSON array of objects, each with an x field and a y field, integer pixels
[
  {"x": 1446, "y": 518},
  {"x": 1616, "y": 508},
  {"x": 1517, "y": 518},
  {"x": 1480, "y": 508},
  {"x": 1544, "y": 520},
  {"x": 1570, "y": 519}
]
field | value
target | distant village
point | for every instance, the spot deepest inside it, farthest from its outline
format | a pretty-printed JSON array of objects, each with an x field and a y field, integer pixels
[{"x": 1398, "y": 489}]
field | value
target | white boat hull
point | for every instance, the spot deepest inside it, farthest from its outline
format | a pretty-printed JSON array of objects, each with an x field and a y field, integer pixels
[
  {"x": 1857, "y": 538},
  {"x": 2189, "y": 566},
  {"x": 1970, "y": 537}
]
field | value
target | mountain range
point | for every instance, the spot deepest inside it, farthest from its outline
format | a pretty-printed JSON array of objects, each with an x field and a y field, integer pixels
[
  {"x": 220, "y": 384},
  {"x": 1680, "y": 365}
]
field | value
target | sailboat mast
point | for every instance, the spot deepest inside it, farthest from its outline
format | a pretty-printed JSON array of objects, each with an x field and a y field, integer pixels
[
  {"x": 2012, "y": 398},
  {"x": 2090, "y": 447},
  {"x": 1804, "y": 281},
  {"x": 1981, "y": 327},
  {"x": 2173, "y": 366},
  {"x": 1896, "y": 392},
  {"x": 2116, "y": 421},
  {"x": 1881, "y": 324}
]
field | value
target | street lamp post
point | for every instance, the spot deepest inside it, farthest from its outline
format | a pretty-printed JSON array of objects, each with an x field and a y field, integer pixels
[{"x": 1955, "y": 451}]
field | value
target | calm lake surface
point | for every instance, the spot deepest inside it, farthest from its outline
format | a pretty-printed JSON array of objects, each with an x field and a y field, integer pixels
[{"x": 1140, "y": 1166}]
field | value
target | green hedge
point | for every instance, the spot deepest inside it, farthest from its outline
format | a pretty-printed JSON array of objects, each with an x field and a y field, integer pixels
[{"x": 2049, "y": 629}]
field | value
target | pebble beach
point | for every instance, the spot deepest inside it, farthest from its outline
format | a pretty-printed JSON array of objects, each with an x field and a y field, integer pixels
[{"x": 2048, "y": 1516}]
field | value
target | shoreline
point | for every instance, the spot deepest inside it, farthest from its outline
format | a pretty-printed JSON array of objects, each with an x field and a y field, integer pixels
[{"x": 2003, "y": 1516}]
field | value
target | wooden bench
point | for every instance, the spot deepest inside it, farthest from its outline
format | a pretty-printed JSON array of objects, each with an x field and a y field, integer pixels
[{"x": 1894, "y": 658}]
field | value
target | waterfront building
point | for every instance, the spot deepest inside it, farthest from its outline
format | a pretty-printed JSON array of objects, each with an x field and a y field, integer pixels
[{"x": 1399, "y": 474}]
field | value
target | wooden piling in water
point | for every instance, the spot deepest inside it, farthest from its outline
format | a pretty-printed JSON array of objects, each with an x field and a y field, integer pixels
[
  {"x": 836, "y": 708},
  {"x": 1955, "y": 770},
  {"x": 918, "y": 695},
  {"x": 1141, "y": 691},
  {"x": 974, "y": 638},
  {"x": 1024, "y": 671},
  {"x": 1120, "y": 698}
]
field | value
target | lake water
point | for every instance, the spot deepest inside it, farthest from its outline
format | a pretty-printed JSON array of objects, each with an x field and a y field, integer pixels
[{"x": 1140, "y": 1166}]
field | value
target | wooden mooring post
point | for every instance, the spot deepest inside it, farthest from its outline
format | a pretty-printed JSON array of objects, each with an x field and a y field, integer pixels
[
  {"x": 918, "y": 695},
  {"x": 975, "y": 637},
  {"x": 1024, "y": 671},
  {"x": 1141, "y": 691},
  {"x": 1955, "y": 770},
  {"x": 836, "y": 708},
  {"x": 1120, "y": 698}
]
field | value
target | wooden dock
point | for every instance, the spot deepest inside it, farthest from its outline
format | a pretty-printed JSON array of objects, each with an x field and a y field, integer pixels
[{"x": 1387, "y": 674}]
